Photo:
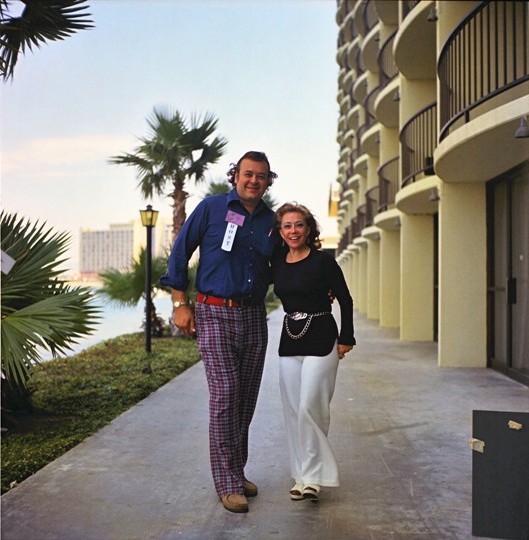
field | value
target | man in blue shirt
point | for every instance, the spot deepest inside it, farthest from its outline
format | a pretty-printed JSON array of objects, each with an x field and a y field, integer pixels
[{"x": 234, "y": 233}]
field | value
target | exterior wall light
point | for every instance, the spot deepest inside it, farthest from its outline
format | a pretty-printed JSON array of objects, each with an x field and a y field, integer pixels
[{"x": 523, "y": 131}]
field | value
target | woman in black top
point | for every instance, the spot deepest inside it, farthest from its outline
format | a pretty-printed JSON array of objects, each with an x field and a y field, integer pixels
[{"x": 310, "y": 347}]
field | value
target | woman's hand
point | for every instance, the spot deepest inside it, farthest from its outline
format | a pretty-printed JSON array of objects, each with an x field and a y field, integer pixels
[{"x": 343, "y": 350}]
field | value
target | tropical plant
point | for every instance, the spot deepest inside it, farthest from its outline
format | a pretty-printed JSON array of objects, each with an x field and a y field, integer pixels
[
  {"x": 127, "y": 287},
  {"x": 40, "y": 311},
  {"x": 39, "y": 22},
  {"x": 174, "y": 152},
  {"x": 219, "y": 187}
]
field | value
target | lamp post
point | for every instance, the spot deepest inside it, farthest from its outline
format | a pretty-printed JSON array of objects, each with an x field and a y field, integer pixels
[{"x": 148, "y": 220}]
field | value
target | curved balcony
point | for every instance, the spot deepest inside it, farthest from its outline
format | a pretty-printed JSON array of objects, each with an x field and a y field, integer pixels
[
  {"x": 486, "y": 55},
  {"x": 415, "y": 44},
  {"x": 370, "y": 49},
  {"x": 388, "y": 183},
  {"x": 365, "y": 16},
  {"x": 348, "y": 27},
  {"x": 387, "y": 68},
  {"x": 407, "y": 6},
  {"x": 353, "y": 50},
  {"x": 369, "y": 106},
  {"x": 360, "y": 88},
  {"x": 348, "y": 79},
  {"x": 372, "y": 205},
  {"x": 387, "y": 104},
  {"x": 359, "y": 221},
  {"x": 418, "y": 139},
  {"x": 353, "y": 117},
  {"x": 388, "y": 12},
  {"x": 340, "y": 55},
  {"x": 370, "y": 141}
]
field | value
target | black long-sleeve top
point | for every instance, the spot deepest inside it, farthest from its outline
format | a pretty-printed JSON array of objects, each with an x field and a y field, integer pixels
[{"x": 304, "y": 286}]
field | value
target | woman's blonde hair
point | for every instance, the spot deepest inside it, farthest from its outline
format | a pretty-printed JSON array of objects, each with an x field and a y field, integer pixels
[{"x": 314, "y": 229}]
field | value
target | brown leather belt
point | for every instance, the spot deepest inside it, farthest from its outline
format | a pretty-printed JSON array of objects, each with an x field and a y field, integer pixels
[{"x": 216, "y": 301}]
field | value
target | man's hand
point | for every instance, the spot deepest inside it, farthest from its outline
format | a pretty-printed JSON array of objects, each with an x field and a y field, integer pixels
[
  {"x": 182, "y": 313},
  {"x": 184, "y": 320}
]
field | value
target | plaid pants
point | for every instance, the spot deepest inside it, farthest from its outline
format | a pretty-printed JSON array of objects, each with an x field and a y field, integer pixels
[{"x": 232, "y": 343}]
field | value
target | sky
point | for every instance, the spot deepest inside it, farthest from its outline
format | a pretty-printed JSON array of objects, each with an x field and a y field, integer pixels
[{"x": 266, "y": 69}]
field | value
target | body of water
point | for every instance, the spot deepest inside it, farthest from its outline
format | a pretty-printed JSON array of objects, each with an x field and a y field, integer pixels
[{"x": 116, "y": 321}]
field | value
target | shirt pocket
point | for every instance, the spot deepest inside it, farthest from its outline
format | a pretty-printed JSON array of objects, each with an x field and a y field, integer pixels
[{"x": 266, "y": 248}]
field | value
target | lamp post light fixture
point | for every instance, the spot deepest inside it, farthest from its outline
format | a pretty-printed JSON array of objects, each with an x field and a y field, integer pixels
[{"x": 148, "y": 220}]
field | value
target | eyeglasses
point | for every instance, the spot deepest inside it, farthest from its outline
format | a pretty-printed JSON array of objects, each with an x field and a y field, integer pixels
[{"x": 290, "y": 226}]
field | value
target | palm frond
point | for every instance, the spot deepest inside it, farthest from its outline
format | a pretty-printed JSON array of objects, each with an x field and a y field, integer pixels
[
  {"x": 127, "y": 287},
  {"x": 165, "y": 158},
  {"x": 41, "y": 21},
  {"x": 37, "y": 307},
  {"x": 53, "y": 324}
]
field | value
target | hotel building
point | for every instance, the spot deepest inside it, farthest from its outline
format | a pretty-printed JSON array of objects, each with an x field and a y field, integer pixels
[{"x": 433, "y": 213}]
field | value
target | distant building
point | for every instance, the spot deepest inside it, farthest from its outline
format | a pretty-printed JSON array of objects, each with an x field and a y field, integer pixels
[{"x": 117, "y": 246}]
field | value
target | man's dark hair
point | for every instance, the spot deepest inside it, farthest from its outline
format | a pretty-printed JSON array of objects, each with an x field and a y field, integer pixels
[{"x": 254, "y": 156}]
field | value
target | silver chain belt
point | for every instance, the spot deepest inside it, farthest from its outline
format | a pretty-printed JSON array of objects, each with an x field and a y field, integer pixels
[{"x": 299, "y": 316}]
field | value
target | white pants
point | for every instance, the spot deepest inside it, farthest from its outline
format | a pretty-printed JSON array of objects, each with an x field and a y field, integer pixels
[{"x": 307, "y": 386}]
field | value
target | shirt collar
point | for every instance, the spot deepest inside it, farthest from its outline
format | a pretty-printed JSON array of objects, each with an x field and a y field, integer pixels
[{"x": 233, "y": 196}]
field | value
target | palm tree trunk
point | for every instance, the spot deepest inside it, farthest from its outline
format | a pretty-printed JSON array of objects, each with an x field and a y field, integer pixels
[{"x": 179, "y": 210}]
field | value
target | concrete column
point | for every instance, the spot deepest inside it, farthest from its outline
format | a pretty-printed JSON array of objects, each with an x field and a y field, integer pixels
[
  {"x": 373, "y": 279},
  {"x": 355, "y": 279},
  {"x": 390, "y": 279},
  {"x": 417, "y": 276},
  {"x": 463, "y": 275},
  {"x": 361, "y": 291}
]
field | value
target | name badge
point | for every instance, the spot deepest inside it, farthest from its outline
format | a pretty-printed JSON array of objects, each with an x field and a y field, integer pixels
[
  {"x": 229, "y": 237},
  {"x": 234, "y": 220}
]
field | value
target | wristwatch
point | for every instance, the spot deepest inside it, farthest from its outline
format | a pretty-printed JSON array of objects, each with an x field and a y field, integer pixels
[{"x": 178, "y": 304}]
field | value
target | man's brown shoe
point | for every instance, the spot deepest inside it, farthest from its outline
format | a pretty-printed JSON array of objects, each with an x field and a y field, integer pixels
[
  {"x": 235, "y": 502},
  {"x": 250, "y": 489}
]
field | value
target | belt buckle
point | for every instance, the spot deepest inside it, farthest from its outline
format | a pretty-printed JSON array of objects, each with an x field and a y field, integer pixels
[
  {"x": 229, "y": 302},
  {"x": 298, "y": 315}
]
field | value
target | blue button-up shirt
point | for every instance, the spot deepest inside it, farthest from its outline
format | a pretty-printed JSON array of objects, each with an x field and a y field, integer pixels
[{"x": 243, "y": 272}]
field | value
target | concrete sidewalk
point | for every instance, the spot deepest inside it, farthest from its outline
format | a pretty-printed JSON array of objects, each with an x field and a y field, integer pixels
[{"x": 400, "y": 428}]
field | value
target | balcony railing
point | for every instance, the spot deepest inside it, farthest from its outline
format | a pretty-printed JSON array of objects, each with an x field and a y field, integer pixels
[
  {"x": 355, "y": 231},
  {"x": 388, "y": 183},
  {"x": 486, "y": 54},
  {"x": 344, "y": 240},
  {"x": 360, "y": 131},
  {"x": 369, "y": 105},
  {"x": 418, "y": 140},
  {"x": 407, "y": 6},
  {"x": 387, "y": 68},
  {"x": 360, "y": 219},
  {"x": 358, "y": 63},
  {"x": 372, "y": 203},
  {"x": 369, "y": 16}
]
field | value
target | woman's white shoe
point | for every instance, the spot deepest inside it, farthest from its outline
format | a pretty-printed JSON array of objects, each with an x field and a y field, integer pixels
[
  {"x": 296, "y": 493},
  {"x": 312, "y": 492}
]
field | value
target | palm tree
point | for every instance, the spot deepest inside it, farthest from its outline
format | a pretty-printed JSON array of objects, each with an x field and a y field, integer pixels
[
  {"x": 127, "y": 287},
  {"x": 173, "y": 152},
  {"x": 219, "y": 187},
  {"x": 39, "y": 22},
  {"x": 39, "y": 310}
]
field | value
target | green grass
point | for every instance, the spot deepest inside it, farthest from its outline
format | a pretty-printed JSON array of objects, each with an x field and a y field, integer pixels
[{"x": 74, "y": 397}]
